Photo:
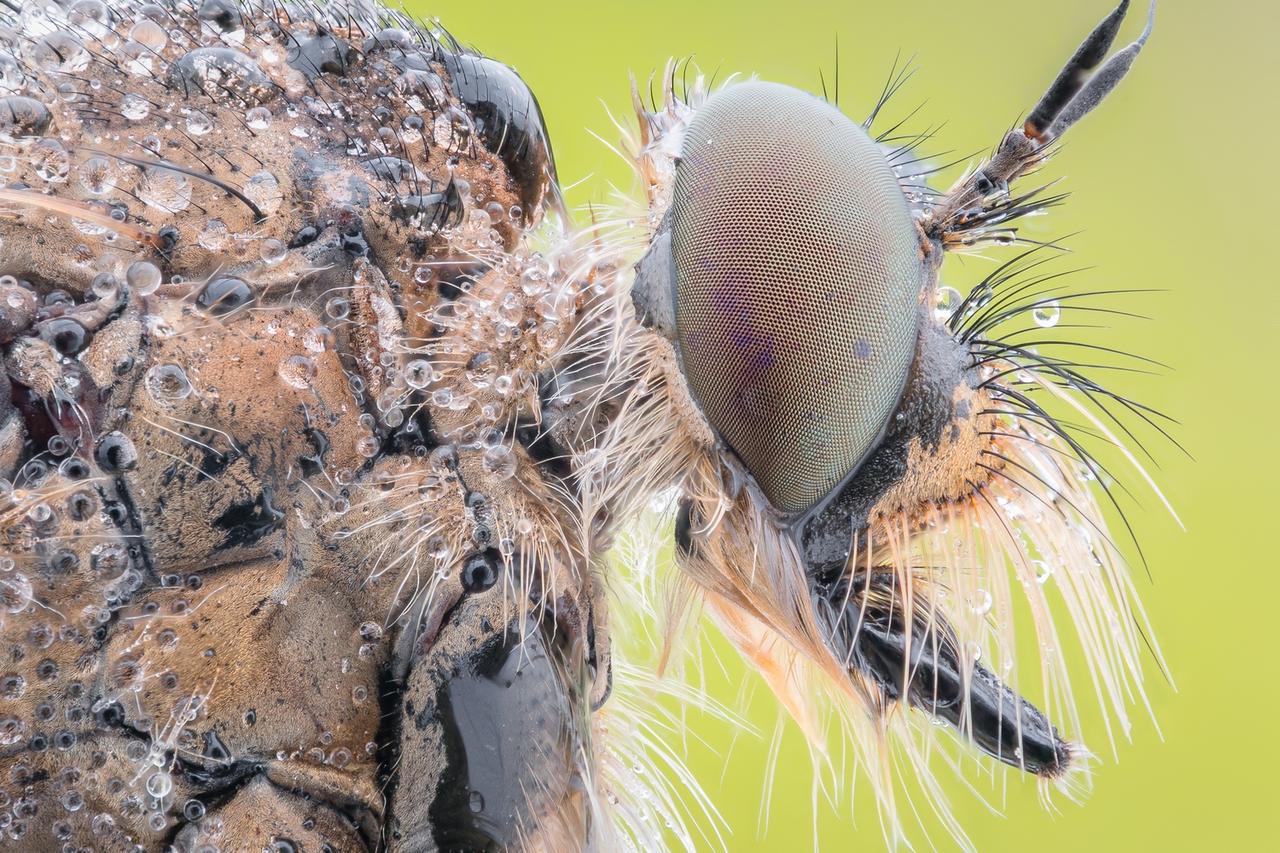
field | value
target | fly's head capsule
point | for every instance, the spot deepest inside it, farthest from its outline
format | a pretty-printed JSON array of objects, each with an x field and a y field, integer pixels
[
  {"x": 792, "y": 289},
  {"x": 901, "y": 444}
]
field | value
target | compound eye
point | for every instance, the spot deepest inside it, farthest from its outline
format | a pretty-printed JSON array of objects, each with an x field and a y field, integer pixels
[{"x": 797, "y": 283}]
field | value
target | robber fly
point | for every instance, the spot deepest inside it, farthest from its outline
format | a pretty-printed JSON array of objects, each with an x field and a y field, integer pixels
[{"x": 321, "y": 422}]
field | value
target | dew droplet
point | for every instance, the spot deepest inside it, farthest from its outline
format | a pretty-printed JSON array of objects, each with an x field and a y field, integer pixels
[
  {"x": 148, "y": 33},
  {"x": 500, "y": 462},
  {"x": 97, "y": 176},
  {"x": 198, "y": 124},
  {"x": 51, "y": 161},
  {"x": 945, "y": 302},
  {"x": 134, "y": 107},
  {"x": 272, "y": 251},
  {"x": 143, "y": 277},
  {"x": 981, "y": 602},
  {"x": 297, "y": 371},
  {"x": 258, "y": 118},
  {"x": 1046, "y": 314},
  {"x": 15, "y": 592},
  {"x": 337, "y": 308},
  {"x": 167, "y": 383},
  {"x": 165, "y": 190}
]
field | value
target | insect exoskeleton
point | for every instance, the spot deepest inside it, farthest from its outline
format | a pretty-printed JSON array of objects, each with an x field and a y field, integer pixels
[
  {"x": 319, "y": 422},
  {"x": 282, "y": 546}
]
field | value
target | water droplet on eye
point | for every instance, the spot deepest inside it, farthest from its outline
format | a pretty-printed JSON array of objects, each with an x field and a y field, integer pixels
[
  {"x": 945, "y": 301},
  {"x": 64, "y": 334},
  {"x": 193, "y": 810},
  {"x": 297, "y": 371},
  {"x": 476, "y": 801},
  {"x": 143, "y": 277},
  {"x": 1046, "y": 314},
  {"x": 167, "y": 383},
  {"x": 481, "y": 571}
]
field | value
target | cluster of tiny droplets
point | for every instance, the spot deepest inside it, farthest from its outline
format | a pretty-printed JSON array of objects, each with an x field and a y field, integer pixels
[{"x": 491, "y": 344}]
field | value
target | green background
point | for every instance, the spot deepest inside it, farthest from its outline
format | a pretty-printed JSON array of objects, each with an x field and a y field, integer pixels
[{"x": 1173, "y": 188}]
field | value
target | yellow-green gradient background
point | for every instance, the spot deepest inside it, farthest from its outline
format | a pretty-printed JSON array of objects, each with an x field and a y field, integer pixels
[{"x": 1173, "y": 188}]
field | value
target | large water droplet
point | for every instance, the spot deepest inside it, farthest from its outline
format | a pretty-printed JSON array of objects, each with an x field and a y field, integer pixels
[
  {"x": 15, "y": 592},
  {"x": 258, "y": 118},
  {"x": 143, "y": 277},
  {"x": 51, "y": 161},
  {"x": 297, "y": 371},
  {"x": 981, "y": 602},
  {"x": 198, "y": 124},
  {"x": 97, "y": 176},
  {"x": 166, "y": 190},
  {"x": 500, "y": 462},
  {"x": 945, "y": 302},
  {"x": 134, "y": 107},
  {"x": 167, "y": 383},
  {"x": 159, "y": 784},
  {"x": 148, "y": 33},
  {"x": 219, "y": 72},
  {"x": 1046, "y": 314},
  {"x": 60, "y": 52}
]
